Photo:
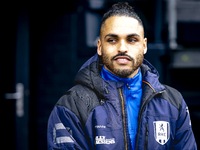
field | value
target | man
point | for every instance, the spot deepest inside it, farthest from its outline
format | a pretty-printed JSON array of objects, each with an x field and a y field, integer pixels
[{"x": 118, "y": 101}]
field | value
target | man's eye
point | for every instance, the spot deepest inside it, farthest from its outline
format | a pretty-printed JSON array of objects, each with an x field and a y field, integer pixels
[
  {"x": 112, "y": 40},
  {"x": 131, "y": 40}
]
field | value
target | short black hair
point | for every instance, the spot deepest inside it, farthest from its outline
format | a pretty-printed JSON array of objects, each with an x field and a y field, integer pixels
[{"x": 120, "y": 9}]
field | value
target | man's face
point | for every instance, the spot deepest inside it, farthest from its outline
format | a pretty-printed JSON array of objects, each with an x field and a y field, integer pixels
[{"x": 122, "y": 46}]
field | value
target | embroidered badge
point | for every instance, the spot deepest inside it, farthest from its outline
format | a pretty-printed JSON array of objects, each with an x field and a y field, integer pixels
[{"x": 161, "y": 131}]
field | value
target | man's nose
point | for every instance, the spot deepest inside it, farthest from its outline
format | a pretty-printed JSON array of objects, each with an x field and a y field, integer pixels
[{"x": 122, "y": 47}]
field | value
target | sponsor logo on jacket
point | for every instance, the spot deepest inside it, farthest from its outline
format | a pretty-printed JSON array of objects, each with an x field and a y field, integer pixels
[
  {"x": 103, "y": 140},
  {"x": 100, "y": 127}
]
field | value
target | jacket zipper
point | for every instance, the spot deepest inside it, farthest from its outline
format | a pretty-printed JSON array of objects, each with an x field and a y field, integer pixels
[
  {"x": 140, "y": 115},
  {"x": 146, "y": 137},
  {"x": 123, "y": 117}
]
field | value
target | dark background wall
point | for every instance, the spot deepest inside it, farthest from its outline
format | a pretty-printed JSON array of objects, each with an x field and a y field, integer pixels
[{"x": 58, "y": 37}]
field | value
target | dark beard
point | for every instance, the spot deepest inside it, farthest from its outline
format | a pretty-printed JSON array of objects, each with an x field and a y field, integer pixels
[{"x": 122, "y": 73}]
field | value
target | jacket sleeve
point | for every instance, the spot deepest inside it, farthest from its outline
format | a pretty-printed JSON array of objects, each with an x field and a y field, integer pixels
[
  {"x": 65, "y": 131},
  {"x": 184, "y": 137}
]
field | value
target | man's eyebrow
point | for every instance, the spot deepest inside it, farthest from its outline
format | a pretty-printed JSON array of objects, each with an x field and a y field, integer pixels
[
  {"x": 115, "y": 35},
  {"x": 133, "y": 35},
  {"x": 112, "y": 35}
]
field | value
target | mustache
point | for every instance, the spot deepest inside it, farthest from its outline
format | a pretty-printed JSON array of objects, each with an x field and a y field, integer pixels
[{"x": 122, "y": 54}]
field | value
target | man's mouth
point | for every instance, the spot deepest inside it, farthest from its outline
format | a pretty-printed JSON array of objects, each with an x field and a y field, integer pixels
[{"x": 122, "y": 59}]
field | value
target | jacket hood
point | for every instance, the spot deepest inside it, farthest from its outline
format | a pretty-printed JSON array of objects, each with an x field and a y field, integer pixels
[{"x": 89, "y": 75}]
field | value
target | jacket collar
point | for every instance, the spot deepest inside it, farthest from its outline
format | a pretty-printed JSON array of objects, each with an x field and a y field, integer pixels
[
  {"x": 150, "y": 75},
  {"x": 90, "y": 75},
  {"x": 134, "y": 83}
]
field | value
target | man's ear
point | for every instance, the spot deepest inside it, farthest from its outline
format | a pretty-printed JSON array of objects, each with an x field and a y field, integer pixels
[
  {"x": 99, "y": 47},
  {"x": 145, "y": 45}
]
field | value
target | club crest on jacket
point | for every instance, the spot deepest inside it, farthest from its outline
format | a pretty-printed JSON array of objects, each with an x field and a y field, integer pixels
[{"x": 161, "y": 131}]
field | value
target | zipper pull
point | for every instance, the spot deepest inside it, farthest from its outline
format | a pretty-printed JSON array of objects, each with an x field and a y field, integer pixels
[
  {"x": 128, "y": 86},
  {"x": 106, "y": 89}
]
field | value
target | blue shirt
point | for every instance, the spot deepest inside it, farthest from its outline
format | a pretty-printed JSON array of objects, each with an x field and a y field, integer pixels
[{"x": 133, "y": 93}]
